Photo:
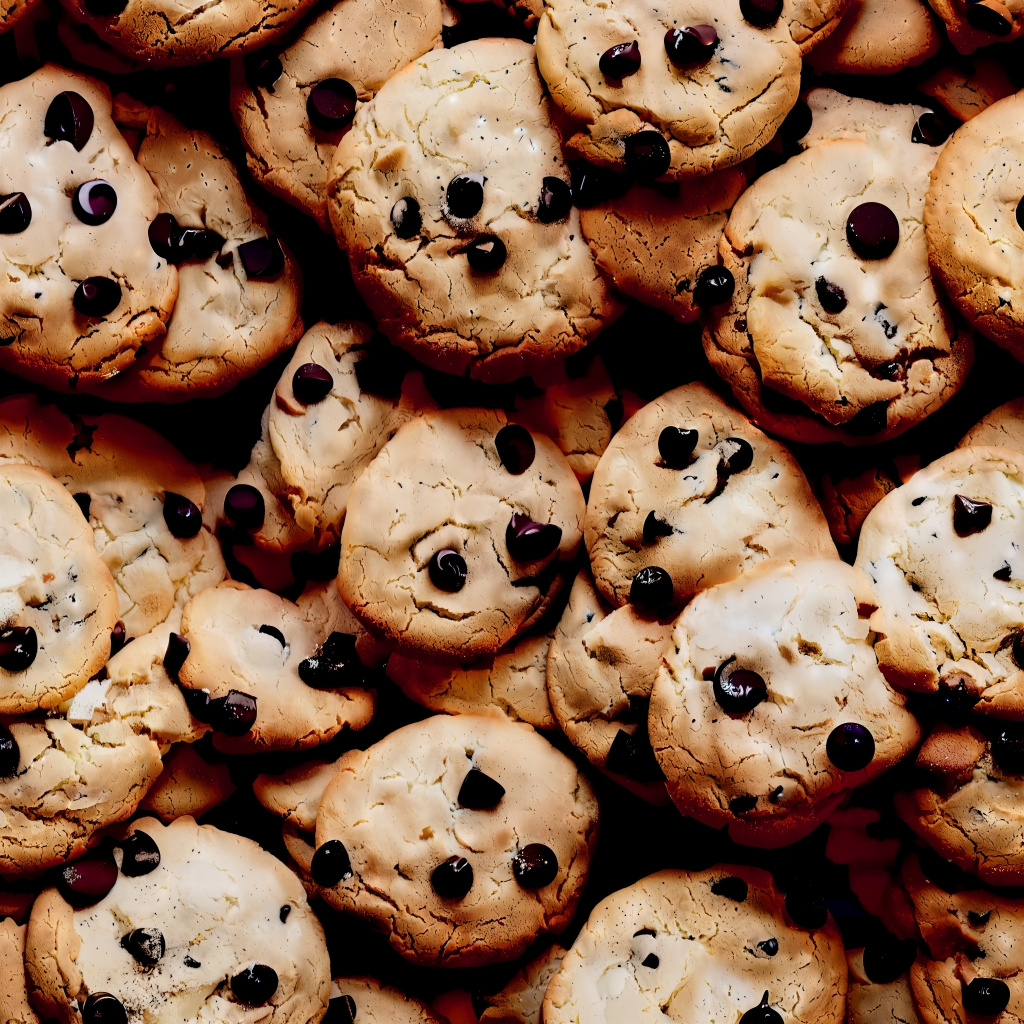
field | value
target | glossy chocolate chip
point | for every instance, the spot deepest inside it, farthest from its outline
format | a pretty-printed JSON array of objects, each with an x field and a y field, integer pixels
[
  {"x": 447, "y": 571},
  {"x": 985, "y": 996},
  {"x": 930, "y": 129},
  {"x": 94, "y": 202},
  {"x": 18, "y": 648},
  {"x": 118, "y": 637},
  {"x": 732, "y": 887},
  {"x": 182, "y": 516},
  {"x": 769, "y": 947},
  {"x": 69, "y": 118},
  {"x": 762, "y": 13},
  {"x": 872, "y": 419},
  {"x": 97, "y": 296},
  {"x": 528, "y": 541},
  {"x": 330, "y": 864},
  {"x": 334, "y": 664},
  {"x": 762, "y": 1014},
  {"x": 103, "y": 1008},
  {"x": 535, "y": 866},
  {"x": 647, "y": 155},
  {"x": 831, "y": 296},
  {"x": 970, "y": 516},
  {"x": 479, "y": 792},
  {"x": 555, "y": 200},
  {"x": 1008, "y": 747},
  {"x": 275, "y": 633},
  {"x": 245, "y": 507},
  {"x": 15, "y": 213},
  {"x": 651, "y": 588},
  {"x": 850, "y": 747},
  {"x": 652, "y": 960},
  {"x": 341, "y": 1010},
  {"x": 735, "y": 455},
  {"x": 262, "y": 69},
  {"x": 284, "y": 912},
  {"x": 486, "y": 254},
  {"x": 620, "y": 61},
  {"x": 807, "y": 908},
  {"x": 988, "y": 19},
  {"x": 175, "y": 655},
  {"x": 331, "y": 104},
  {"x": 406, "y": 218},
  {"x": 146, "y": 945},
  {"x": 676, "y": 445},
  {"x": 655, "y": 528},
  {"x": 139, "y": 855},
  {"x": 262, "y": 257},
  {"x": 465, "y": 195},
  {"x": 715, "y": 285},
  {"x": 691, "y": 45},
  {"x": 312, "y": 383},
  {"x": 631, "y": 755},
  {"x": 516, "y": 448},
  {"x": 10, "y": 755},
  {"x": 86, "y": 881},
  {"x": 165, "y": 238},
  {"x": 888, "y": 958},
  {"x": 452, "y": 879},
  {"x": 233, "y": 715},
  {"x": 201, "y": 243},
  {"x": 255, "y": 985},
  {"x": 872, "y": 231}
]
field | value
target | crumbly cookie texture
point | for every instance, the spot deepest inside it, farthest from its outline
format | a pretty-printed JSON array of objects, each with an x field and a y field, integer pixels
[
  {"x": 43, "y": 266},
  {"x": 713, "y": 113},
  {"x": 439, "y": 485},
  {"x": 966, "y": 92},
  {"x": 720, "y": 524},
  {"x": 212, "y": 907},
  {"x": 946, "y": 581},
  {"x": 1003, "y": 427},
  {"x": 536, "y": 295},
  {"x": 1001, "y": 22},
  {"x": 375, "y": 1003},
  {"x": 14, "y": 1005},
  {"x": 847, "y": 501},
  {"x": 295, "y": 795},
  {"x": 187, "y": 785},
  {"x": 970, "y": 219},
  {"x": 397, "y": 810},
  {"x": 362, "y": 42},
  {"x": 805, "y": 634},
  {"x": 235, "y": 636},
  {"x": 667, "y": 941},
  {"x": 520, "y": 1001},
  {"x": 654, "y": 246},
  {"x": 869, "y": 1002},
  {"x": 817, "y": 342}
]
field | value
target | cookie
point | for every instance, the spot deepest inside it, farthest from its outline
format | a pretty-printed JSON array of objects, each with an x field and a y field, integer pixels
[
  {"x": 770, "y": 706},
  {"x": 847, "y": 502},
  {"x": 970, "y": 219},
  {"x": 654, "y": 244},
  {"x": 887, "y": 1001},
  {"x": 225, "y": 925},
  {"x": 367, "y": 1001},
  {"x": 455, "y": 533},
  {"x": 270, "y": 674},
  {"x": 77, "y": 213},
  {"x": 970, "y": 26},
  {"x": 669, "y": 940},
  {"x": 965, "y": 93},
  {"x": 14, "y": 1005},
  {"x": 833, "y": 330},
  {"x": 187, "y": 785},
  {"x": 452, "y": 199},
  {"x": 12, "y": 11},
  {"x": 1003, "y": 427},
  {"x": 714, "y": 81},
  {"x": 691, "y": 492},
  {"x": 520, "y": 1001},
  {"x": 293, "y": 107},
  {"x": 942, "y": 553}
]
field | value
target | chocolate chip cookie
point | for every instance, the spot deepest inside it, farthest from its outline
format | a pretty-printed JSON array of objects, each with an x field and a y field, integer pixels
[
  {"x": 520, "y": 1001},
  {"x": 367, "y": 1001},
  {"x": 970, "y": 26},
  {"x": 1003, "y": 427}
]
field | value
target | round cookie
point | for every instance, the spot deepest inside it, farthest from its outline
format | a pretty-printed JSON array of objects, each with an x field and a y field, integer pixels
[
  {"x": 225, "y": 925},
  {"x": 966, "y": 91},
  {"x": 834, "y": 331},
  {"x": 702, "y": 945},
  {"x": 14, "y": 1005},
  {"x": 455, "y": 533},
  {"x": 1003, "y": 427},
  {"x": 520, "y": 1001},
  {"x": 736, "y": 498},
  {"x": 877, "y": 1002},
  {"x": 943, "y": 555},
  {"x": 187, "y": 785},
  {"x": 770, "y": 706},
  {"x": 96, "y": 292},
  {"x": 348, "y": 52},
  {"x": 463, "y": 837},
  {"x": 712, "y": 84},
  {"x": 975, "y": 241},
  {"x": 367, "y": 1001},
  {"x": 452, "y": 199},
  {"x": 970, "y": 26}
]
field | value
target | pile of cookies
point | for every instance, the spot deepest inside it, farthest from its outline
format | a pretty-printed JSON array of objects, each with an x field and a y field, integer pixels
[{"x": 598, "y": 596}]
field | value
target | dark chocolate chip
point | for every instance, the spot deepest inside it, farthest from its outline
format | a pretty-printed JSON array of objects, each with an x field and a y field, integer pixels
[
  {"x": 954, "y": 704},
  {"x": 762, "y": 13},
  {"x": 555, "y": 200},
  {"x": 201, "y": 244},
  {"x": 647, "y": 155},
  {"x": 94, "y": 202},
  {"x": 769, "y": 946},
  {"x": 262, "y": 257},
  {"x": 479, "y": 792},
  {"x": 831, "y": 296},
  {"x": 330, "y": 864},
  {"x": 528, "y": 541},
  {"x": 103, "y": 1008},
  {"x": 189, "y": 962},
  {"x": 452, "y": 879},
  {"x": 1020, "y": 213},
  {"x": 233, "y": 715},
  {"x": 1017, "y": 649},
  {"x": 985, "y": 996},
  {"x": 284, "y": 912},
  {"x": 10, "y": 755},
  {"x": 850, "y": 747},
  {"x": 516, "y": 448},
  {"x": 97, "y": 296},
  {"x": 1003, "y": 573},
  {"x": 245, "y": 507},
  {"x": 447, "y": 571},
  {"x": 742, "y": 804},
  {"x": 873, "y": 231},
  {"x": 872, "y": 419},
  {"x": 732, "y": 887},
  {"x": 15, "y": 213},
  {"x": 807, "y": 908},
  {"x": 970, "y": 516},
  {"x": 146, "y": 945},
  {"x": 715, "y": 285},
  {"x": 691, "y": 45},
  {"x": 341, "y": 1010},
  {"x": 930, "y": 129},
  {"x": 676, "y": 445},
  {"x": 312, "y": 383},
  {"x": 620, "y": 61},
  {"x": 262, "y": 69},
  {"x": 652, "y": 961},
  {"x": 888, "y": 958},
  {"x": 655, "y": 528},
  {"x": 165, "y": 238},
  {"x": 735, "y": 455},
  {"x": 334, "y": 664},
  {"x": 651, "y": 588},
  {"x": 535, "y": 866},
  {"x": 182, "y": 516},
  {"x": 486, "y": 254},
  {"x": 645, "y": 931},
  {"x": 118, "y": 637},
  {"x": 275, "y": 633},
  {"x": 69, "y": 118},
  {"x": 465, "y": 195},
  {"x": 175, "y": 655},
  {"x": 331, "y": 104},
  {"x": 255, "y": 985},
  {"x": 86, "y": 881},
  {"x": 18, "y": 648},
  {"x": 987, "y": 19},
  {"x": 139, "y": 855},
  {"x": 406, "y": 218},
  {"x": 978, "y": 920},
  {"x": 762, "y": 1014},
  {"x": 738, "y": 690},
  {"x": 1008, "y": 747}
]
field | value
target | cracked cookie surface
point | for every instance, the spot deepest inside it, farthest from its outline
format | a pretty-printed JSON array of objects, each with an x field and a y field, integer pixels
[
  {"x": 869, "y": 1002},
  {"x": 375, "y": 1003},
  {"x": 1003, "y": 427},
  {"x": 520, "y": 1001},
  {"x": 999, "y": 21}
]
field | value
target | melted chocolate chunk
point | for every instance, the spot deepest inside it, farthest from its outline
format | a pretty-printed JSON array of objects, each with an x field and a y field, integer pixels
[
  {"x": 331, "y": 104},
  {"x": 465, "y": 195},
  {"x": 486, "y": 254},
  {"x": 831, "y": 296},
  {"x": 10, "y": 754},
  {"x": 182, "y": 516},
  {"x": 94, "y": 202},
  {"x": 873, "y": 231},
  {"x": 762, "y": 1014},
  {"x": 245, "y": 507},
  {"x": 807, "y": 908},
  {"x": 535, "y": 866},
  {"x": 18, "y": 648},
  {"x": 762, "y": 13},
  {"x": 647, "y": 155},
  {"x": 620, "y": 61},
  {"x": 528, "y": 541},
  {"x": 691, "y": 45},
  {"x": 86, "y": 881},
  {"x": 69, "y": 118},
  {"x": 255, "y": 985},
  {"x": 930, "y": 129},
  {"x": 453, "y": 878},
  {"x": 331, "y": 864},
  {"x": 676, "y": 445},
  {"x": 175, "y": 655},
  {"x": 406, "y": 218},
  {"x": 479, "y": 792},
  {"x": 516, "y": 448},
  {"x": 731, "y": 887},
  {"x": 233, "y": 715},
  {"x": 334, "y": 664},
  {"x": 655, "y": 528},
  {"x": 555, "y": 200},
  {"x": 103, "y": 1008},
  {"x": 447, "y": 571},
  {"x": 97, "y": 296},
  {"x": 888, "y": 958},
  {"x": 312, "y": 383},
  {"x": 177, "y": 244},
  {"x": 715, "y": 285},
  {"x": 139, "y": 855},
  {"x": 738, "y": 690},
  {"x": 15, "y": 213},
  {"x": 652, "y": 588},
  {"x": 146, "y": 945},
  {"x": 985, "y": 996},
  {"x": 850, "y": 747},
  {"x": 262, "y": 257},
  {"x": 970, "y": 516}
]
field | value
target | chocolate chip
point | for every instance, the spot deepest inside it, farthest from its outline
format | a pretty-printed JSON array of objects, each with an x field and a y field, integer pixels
[
  {"x": 1020, "y": 213},
  {"x": 175, "y": 655},
  {"x": 334, "y": 664},
  {"x": 987, "y": 19},
  {"x": 872, "y": 231},
  {"x": 953, "y": 704},
  {"x": 262, "y": 257},
  {"x": 1003, "y": 573},
  {"x": 807, "y": 908},
  {"x": 735, "y": 455},
  {"x": 762, "y": 1014},
  {"x": 930, "y": 129},
  {"x": 341, "y": 1010},
  {"x": 676, "y": 445},
  {"x": 652, "y": 588},
  {"x": 555, "y": 200},
  {"x": 535, "y": 866},
  {"x": 452, "y": 879},
  {"x": 762, "y": 13},
  {"x": 201, "y": 244},
  {"x": 165, "y": 238},
  {"x": 406, "y": 218},
  {"x": 94, "y": 202},
  {"x": 978, "y": 920},
  {"x": 645, "y": 931},
  {"x": 1017, "y": 649},
  {"x": 97, "y": 296},
  {"x": 330, "y": 864},
  {"x": 139, "y": 855},
  {"x": 631, "y": 755},
  {"x": 528, "y": 541},
  {"x": 255, "y": 985},
  {"x": 516, "y": 448},
  {"x": 118, "y": 637},
  {"x": 18, "y": 648},
  {"x": 284, "y": 912},
  {"x": 146, "y": 945},
  {"x": 872, "y": 419},
  {"x": 770, "y": 946},
  {"x": 262, "y": 69},
  {"x": 245, "y": 507},
  {"x": 447, "y": 571},
  {"x": 86, "y": 881},
  {"x": 182, "y": 516},
  {"x": 652, "y": 961},
  {"x": 970, "y": 516},
  {"x": 850, "y": 747},
  {"x": 620, "y": 61},
  {"x": 69, "y": 118},
  {"x": 742, "y": 804},
  {"x": 985, "y": 996},
  {"x": 715, "y": 285},
  {"x": 647, "y": 155},
  {"x": 831, "y": 296},
  {"x": 233, "y": 715},
  {"x": 655, "y": 528},
  {"x": 103, "y": 1008},
  {"x": 465, "y": 195},
  {"x": 15, "y": 213},
  {"x": 312, "y": 383},
  {"x": 10, "y": 755},
  {"x": 479, "y": 792},
  {"x": 486, "y": 254},
  {"x": 189, "y": 962},
  {"x": 888, "y": 958},
  {"x": 592, "y": 185},
  {"x": 1008, "y": 747},
  {"x": 275, "y": 633},
  {"x": 331, "y": 104},
  {"x": 732, "y": 887},
  {"x": 691, "y": 45}
]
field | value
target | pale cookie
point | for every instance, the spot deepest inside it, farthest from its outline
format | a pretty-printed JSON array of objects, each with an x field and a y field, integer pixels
[
  {"x": 187, "y": 785},
  {"x": 14, "y": 1005},
  {"x": 82, "y": 288},
  {"x": 770, "y": 706},
  {"x": 975, "y": 238},
  {"x": 269, "y": 673},
  {"x": 600, "y": 670},
  {"x": 292, "y": 109},
  {"x": 704, "y": 945},
  {"x": 452, "y": 198},
  {"x": 367, "y": 1001},
  {"x": 463, "y": 837},
  {"x": 1003, "y": 427},
  {"x": 870, "y": 1001},
  {"x": 826, "y": 324},
  {"x": 971, "y": 25},
  {"x": 191, "y": 924},
  {"x": 965, "y": 95},
  {"x": 943, "y": 553},
  {"x": 690, "y": 494},
  {"x": 520, "y": 1001},
  {"x": 672, "y": 93},
  {"x": 455, "y": 533}
]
